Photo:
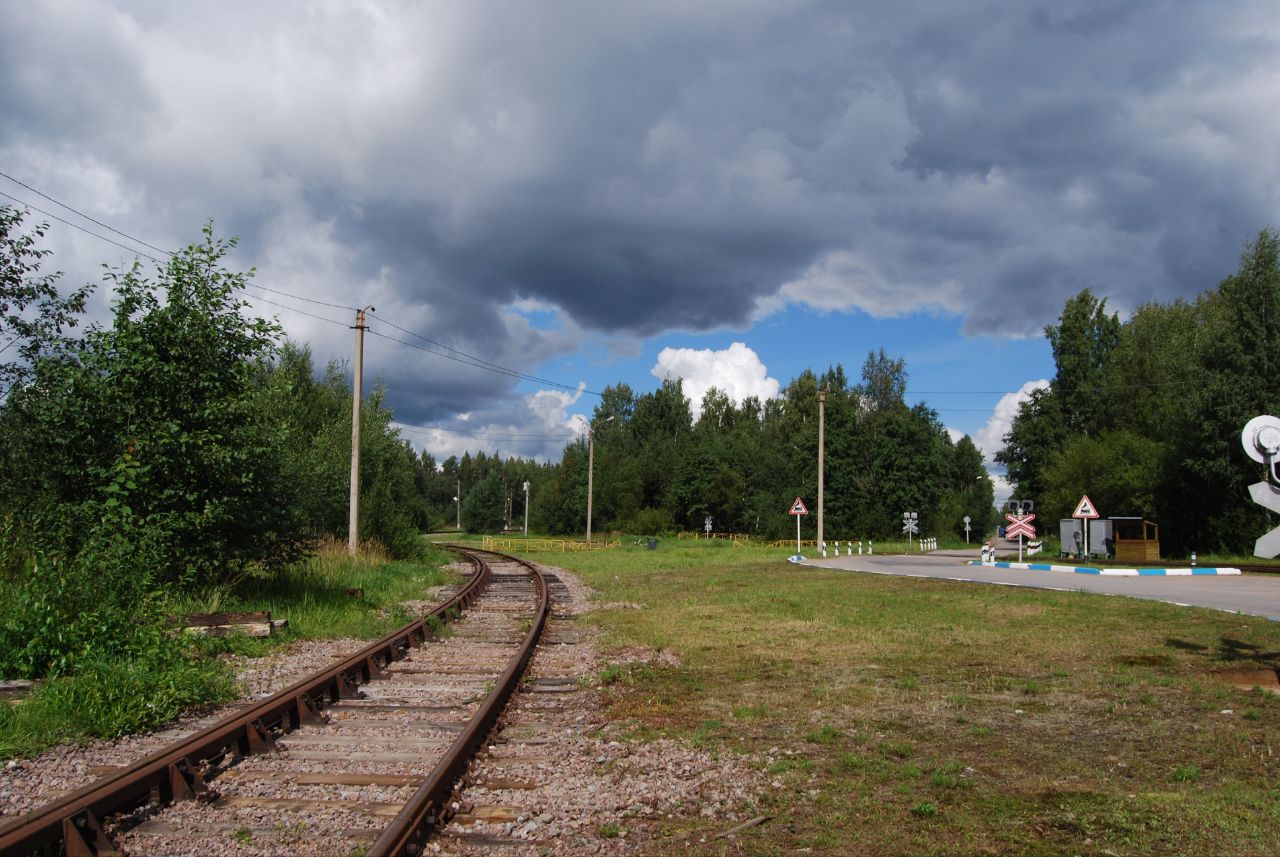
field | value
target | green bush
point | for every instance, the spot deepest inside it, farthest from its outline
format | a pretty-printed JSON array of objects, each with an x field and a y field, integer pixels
[{"x": 649, "y": 522}]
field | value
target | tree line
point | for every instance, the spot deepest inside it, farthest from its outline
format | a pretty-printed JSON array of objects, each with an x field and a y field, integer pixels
[
  {"x": 181, "y": 445},
  {"x": 658, "y": 469},
  {"x": 1145, "y": 415}
]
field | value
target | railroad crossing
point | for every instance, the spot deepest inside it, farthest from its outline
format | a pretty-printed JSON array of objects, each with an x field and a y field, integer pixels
[{"x": 1253, "y": 594}]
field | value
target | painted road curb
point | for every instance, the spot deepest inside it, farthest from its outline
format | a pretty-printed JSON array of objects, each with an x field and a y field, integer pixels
[{"x": 1110, "y": 572}]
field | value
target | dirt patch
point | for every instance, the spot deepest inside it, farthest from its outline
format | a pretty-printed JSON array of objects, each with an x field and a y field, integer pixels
[{"x": 1266, "y": 678}]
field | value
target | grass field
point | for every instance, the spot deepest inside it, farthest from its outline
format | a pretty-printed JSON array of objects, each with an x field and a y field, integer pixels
[{"x": 908, "y": 716}]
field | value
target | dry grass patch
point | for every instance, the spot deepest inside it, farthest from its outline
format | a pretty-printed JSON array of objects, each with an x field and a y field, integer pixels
[{"x": 906, "y": 716}]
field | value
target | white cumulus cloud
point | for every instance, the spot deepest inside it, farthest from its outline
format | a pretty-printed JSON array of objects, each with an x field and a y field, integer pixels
[
  {"x": 990, "y": 438},
  {"x": 736, "y": 371}
]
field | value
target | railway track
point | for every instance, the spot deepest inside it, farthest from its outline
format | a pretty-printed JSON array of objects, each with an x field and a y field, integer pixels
[{"x": 361, "y": 758}]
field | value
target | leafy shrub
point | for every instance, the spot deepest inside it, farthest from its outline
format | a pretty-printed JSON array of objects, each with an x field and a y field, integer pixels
[{"x": 650, "y": 522}]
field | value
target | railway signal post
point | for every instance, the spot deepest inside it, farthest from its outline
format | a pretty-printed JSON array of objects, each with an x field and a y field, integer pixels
[{"x": 1020, "y": 525}]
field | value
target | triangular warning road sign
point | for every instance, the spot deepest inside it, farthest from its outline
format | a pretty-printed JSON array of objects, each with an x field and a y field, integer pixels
[
  {"x": 798, "y": 508},
  {"x": 1085, "y": 509}
]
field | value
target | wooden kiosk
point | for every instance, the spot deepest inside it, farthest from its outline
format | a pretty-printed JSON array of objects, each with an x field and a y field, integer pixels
[{"x": 1136, "y": 540}]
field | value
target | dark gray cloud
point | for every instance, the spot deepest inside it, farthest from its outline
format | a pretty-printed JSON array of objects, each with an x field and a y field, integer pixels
[{"x": 659, "y": 166}]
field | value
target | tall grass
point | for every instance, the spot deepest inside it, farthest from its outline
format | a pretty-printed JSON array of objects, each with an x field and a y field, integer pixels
[{"x": 107, "y": 691}]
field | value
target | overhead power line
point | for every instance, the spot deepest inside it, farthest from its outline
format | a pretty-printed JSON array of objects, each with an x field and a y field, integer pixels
[
  {"x": 452, "y": 353},
  {"x": 85, "y": 216},
  {"x": 482, "y": 434},
  {"x": 132, "y": 250},
  {"x": 468, "y": 360}
]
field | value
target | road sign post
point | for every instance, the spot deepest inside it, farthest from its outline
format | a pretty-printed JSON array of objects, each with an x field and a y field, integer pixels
[
  {"x": 1085, "y": 511},
  {"x": 910, "y": 524},
  {"x": 967, "y": 519},
  {"x": 798, "y": 509}
]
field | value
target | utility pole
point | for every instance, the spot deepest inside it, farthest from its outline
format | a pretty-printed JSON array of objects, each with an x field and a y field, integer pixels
[
  {"x": 353, "y": 521},
  {"x": 457, "y": 499},
  {"x": 591, "y": 468},
  {"x": 526, "y": 508},
  {"x": 822, "y": 420}
]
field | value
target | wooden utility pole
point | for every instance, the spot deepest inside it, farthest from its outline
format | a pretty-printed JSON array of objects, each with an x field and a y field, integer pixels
[{"x": 353, "y": 521}]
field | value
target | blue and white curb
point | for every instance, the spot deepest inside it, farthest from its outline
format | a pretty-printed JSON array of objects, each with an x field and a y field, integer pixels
[{"x": 1110, "y": 572}]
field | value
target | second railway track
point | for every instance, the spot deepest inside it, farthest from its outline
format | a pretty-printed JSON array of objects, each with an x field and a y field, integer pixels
[{"x": 360, "y": 760}]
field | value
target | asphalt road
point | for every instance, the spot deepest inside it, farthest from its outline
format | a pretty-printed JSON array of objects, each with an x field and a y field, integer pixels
[{"x": 1255, "y": 594}]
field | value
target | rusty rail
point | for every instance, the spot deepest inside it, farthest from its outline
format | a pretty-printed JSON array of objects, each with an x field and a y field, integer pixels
[
  {"x": 174, "y": 773},
  {"x": 429, "y": 806}
]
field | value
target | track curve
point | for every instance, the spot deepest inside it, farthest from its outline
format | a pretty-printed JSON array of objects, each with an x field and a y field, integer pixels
[{"x": 341, "y": 724}]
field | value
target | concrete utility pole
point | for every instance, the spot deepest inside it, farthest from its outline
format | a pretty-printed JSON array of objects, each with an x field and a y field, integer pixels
[
  {"x": 822, "y": 421},
  {"x": 457, "y": 499},
  {"x": 526, "y": 509},
  {"x": 591, "y": 468},
  {"x": 353, "y": 521}
]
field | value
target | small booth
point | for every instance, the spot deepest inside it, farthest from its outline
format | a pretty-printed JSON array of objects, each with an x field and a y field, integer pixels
[{"x": 1136, "y": 540}]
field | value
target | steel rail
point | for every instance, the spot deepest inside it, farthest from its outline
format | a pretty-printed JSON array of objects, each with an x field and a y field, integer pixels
[
  {"x": 429, "y": 807},
  {"x": 174, "y": 773}
]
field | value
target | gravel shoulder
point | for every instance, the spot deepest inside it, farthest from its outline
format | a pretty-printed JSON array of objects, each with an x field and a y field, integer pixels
[{"x": 561, "y": 779}]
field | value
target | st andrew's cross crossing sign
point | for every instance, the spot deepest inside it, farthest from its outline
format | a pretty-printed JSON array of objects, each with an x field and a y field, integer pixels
[{"x": 1019, "y": 525}]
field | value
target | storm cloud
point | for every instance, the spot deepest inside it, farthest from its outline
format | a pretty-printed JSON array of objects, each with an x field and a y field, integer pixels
[{"x": 643, "y": 168}]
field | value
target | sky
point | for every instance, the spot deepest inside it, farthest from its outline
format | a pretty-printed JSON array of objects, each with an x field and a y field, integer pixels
[{"x": 561, "y": 196}]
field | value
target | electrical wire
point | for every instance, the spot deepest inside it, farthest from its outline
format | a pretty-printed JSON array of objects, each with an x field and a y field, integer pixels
[
  {"x": 458, "y": 356},
  {"x": 132, "y": 250},
  {"x": 481, "y": 434},
  {"x": 261, "y": 299},
  {"x": 481, "y": 362},
  {"x": 85, "y": 216},
  {"x": 475, "y": 362}
]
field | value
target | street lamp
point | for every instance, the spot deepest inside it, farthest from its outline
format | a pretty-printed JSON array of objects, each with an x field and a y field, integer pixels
[{"x": 591, "y": 466}]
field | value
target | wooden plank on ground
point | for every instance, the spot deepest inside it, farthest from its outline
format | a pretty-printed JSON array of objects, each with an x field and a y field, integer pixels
[
  {"x": 376, "y": 808},
  {"x": 316, "y": 778},
  {"x": 493, "y": 814},
  {"x": 292, "y": 740}
]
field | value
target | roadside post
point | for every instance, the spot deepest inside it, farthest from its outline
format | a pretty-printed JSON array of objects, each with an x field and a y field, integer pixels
[
  {"x": 1085, "y": 511},
  {"x": 1020, "y": 526},
  {"x": 798, "y": 509}
]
